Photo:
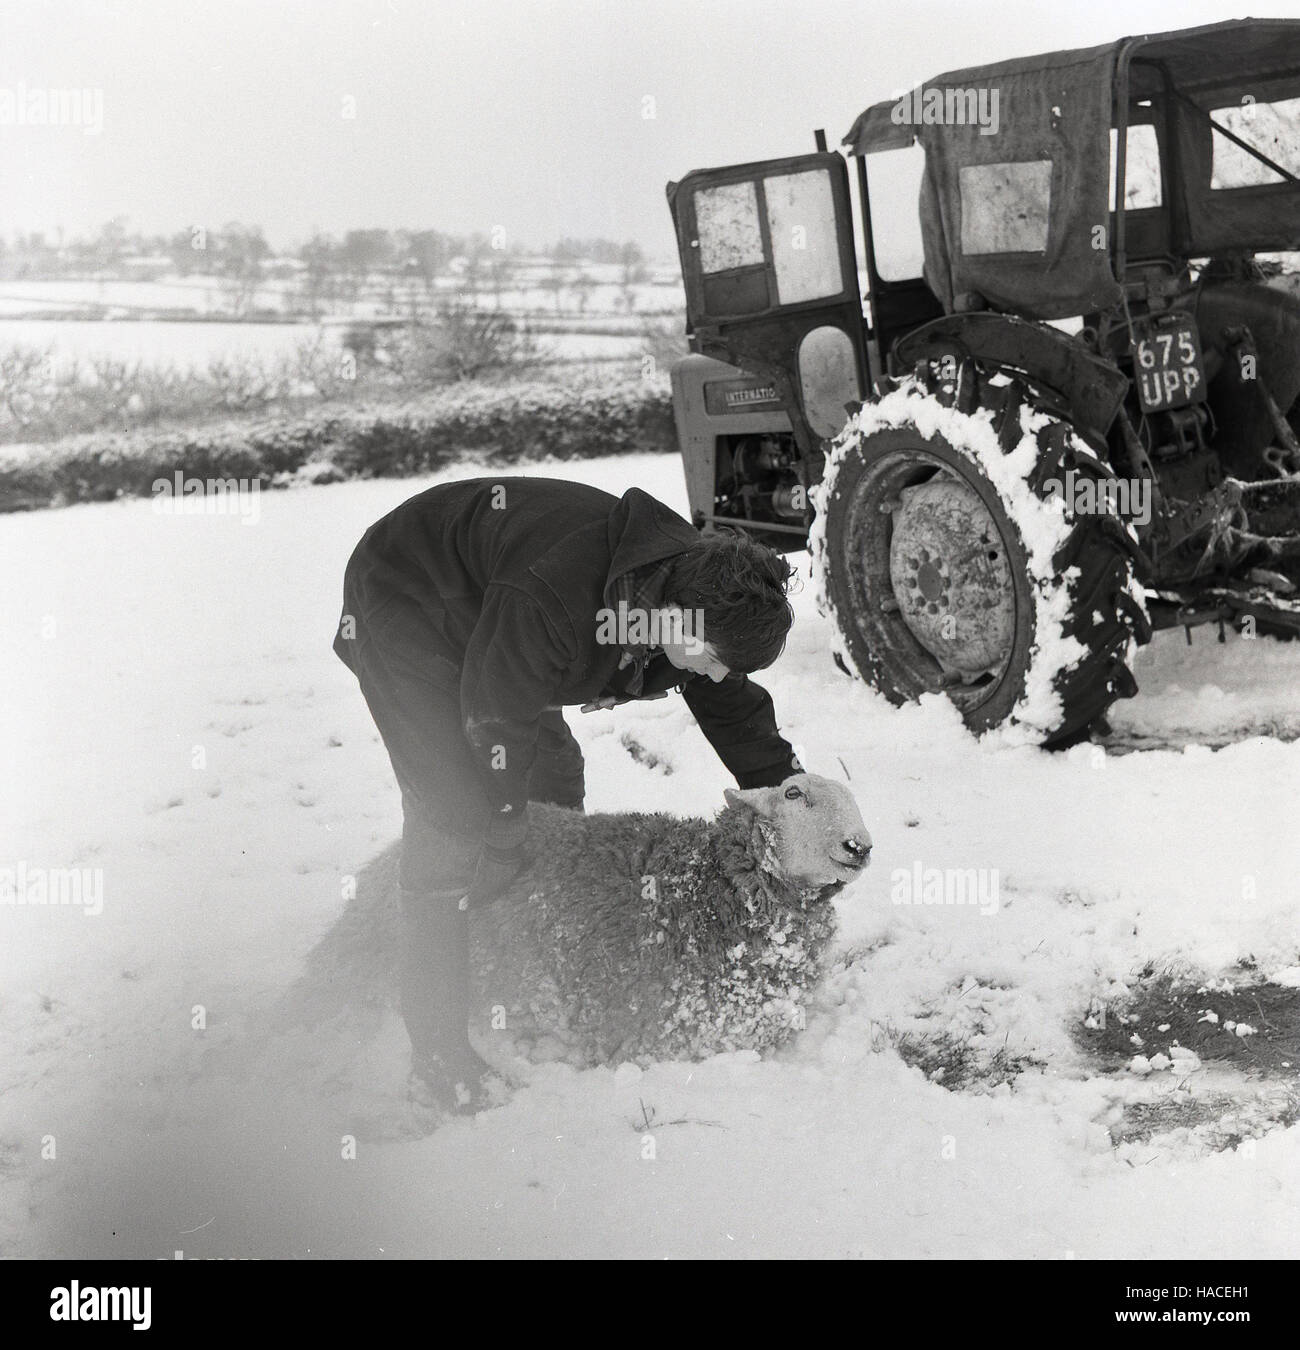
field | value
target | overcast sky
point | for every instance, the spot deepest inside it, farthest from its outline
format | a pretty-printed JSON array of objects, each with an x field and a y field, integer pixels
[{"x": 541, "y": 117}]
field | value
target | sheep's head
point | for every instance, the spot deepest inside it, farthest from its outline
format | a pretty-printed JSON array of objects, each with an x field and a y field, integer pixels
[{"x": 812, "y": 831}]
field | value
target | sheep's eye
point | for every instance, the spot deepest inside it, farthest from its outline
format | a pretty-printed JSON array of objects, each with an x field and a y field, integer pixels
[{"x": 793, "y": 794}]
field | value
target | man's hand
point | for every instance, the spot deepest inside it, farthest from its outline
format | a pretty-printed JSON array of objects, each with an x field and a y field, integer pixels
[{"x": 502, "y": 859}]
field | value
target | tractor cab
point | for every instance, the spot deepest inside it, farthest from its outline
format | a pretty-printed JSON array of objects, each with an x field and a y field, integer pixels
[{"x": 1102, "y": 184}]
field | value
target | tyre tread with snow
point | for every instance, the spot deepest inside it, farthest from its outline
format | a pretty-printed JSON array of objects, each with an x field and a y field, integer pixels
[{"x": 1059, "y": 587}]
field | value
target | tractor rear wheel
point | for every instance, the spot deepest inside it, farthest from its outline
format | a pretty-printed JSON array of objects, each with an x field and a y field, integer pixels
[{"x": 951, "y": 560}]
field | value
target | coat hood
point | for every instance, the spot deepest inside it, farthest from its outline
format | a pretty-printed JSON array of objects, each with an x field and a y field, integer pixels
[{"x": 643, "y": 530}]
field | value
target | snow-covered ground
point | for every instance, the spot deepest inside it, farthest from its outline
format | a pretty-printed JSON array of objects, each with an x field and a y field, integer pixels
[
  {"x": 527, "y": 288},
  {"x": 180, "y": 345},
  {"x": 183, "y": 345},
  {"x": 175, "y": 722}
]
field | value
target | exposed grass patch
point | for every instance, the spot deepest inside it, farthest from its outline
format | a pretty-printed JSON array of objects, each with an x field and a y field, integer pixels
[
  {"x": 1244, "y": 1022},
  {"x": 642, "y": 755},
  {"x": 1218, "y": 1119},
  {"x": 959, "y": 1065}
]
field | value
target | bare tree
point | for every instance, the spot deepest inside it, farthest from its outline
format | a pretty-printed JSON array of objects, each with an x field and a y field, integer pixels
[
  {"x": 320, "y": 256},
  {"x": 112, "y": 242},
  {"x": 475, "y": 257},
  {"x": 632, "y": 262},
  {"x": 561, "y": 273},
  {"x": 583, "y": 284},
  {"x": 501, "y": 269},
  {"x": 241, "y": 253},
  {"x": 427, "y": 254},
  {"x": 365, "y": 252}
]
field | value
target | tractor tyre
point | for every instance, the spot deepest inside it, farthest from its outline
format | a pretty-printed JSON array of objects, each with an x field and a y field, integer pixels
[{"x": 951, "y": 557}]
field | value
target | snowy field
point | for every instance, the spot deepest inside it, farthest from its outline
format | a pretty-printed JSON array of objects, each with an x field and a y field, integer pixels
[
  {"x": 602, "y": 294},
  {"x": 190, "y": 346},
  {"x": 180, "y": 345},
  {"x": 185, "y": 344},
  {"x": 174, "y": 720}
]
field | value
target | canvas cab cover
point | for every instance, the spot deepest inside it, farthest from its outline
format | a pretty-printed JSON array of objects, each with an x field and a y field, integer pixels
[{"x": 1018, "y": 191}]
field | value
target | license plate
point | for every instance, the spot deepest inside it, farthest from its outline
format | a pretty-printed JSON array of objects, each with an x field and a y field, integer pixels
[{"x": 1167, "y": 365}]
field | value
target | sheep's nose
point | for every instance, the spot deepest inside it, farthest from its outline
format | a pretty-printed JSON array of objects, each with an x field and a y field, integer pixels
[{"x": 856, "y": 849}]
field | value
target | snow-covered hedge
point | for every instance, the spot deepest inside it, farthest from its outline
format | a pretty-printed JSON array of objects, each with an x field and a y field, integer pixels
[{"x": 492, "y": 424}]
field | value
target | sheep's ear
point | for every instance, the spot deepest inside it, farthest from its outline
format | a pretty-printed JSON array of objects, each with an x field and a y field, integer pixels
[{"x": 758, "y": 800}]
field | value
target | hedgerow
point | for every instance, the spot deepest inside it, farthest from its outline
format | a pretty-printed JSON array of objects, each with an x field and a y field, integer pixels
[{"x": 494, "y": 424}]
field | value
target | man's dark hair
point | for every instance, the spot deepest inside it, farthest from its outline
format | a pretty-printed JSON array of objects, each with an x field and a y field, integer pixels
[{"x": 740, "y": 586}]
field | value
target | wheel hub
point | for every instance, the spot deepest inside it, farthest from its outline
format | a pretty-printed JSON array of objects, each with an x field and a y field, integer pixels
[{"x": 951, "y": 577}]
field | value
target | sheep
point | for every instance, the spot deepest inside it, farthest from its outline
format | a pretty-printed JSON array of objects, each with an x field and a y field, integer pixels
[{"x": 639, "y": 937}]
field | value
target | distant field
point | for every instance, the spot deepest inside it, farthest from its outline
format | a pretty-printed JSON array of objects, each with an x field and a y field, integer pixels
[
  {"x": 145, "y": 321},
  {"x": 529, "y": 288},
  {"x": 193, "y": 345}
]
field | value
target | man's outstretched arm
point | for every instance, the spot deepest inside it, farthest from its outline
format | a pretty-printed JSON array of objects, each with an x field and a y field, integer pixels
[{"x": 737, "y": 717}]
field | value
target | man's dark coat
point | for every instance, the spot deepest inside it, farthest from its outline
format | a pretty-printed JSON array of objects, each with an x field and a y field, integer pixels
[{"x": 510, "y": 574}]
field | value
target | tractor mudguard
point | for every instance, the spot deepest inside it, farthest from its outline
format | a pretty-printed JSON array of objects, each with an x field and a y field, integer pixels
[{"x": 1093, "y": 388}]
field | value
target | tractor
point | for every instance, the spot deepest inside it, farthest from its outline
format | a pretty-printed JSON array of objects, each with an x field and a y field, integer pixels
[{"x": 1062, "y": 413}]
